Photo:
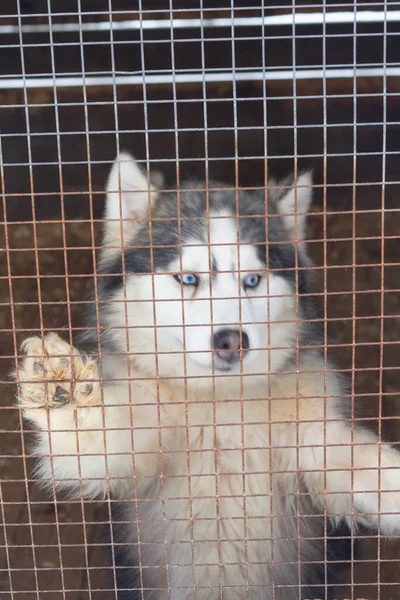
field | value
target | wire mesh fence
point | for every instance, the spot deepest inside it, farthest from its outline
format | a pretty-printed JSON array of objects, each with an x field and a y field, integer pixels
[{"x": 213, "y": 420}]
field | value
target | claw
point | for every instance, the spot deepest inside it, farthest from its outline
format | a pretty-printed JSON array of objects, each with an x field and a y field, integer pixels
[
  {"x": 62, "y": 396},
  {"x": 38, "y": 367},
  {"x": 87, "y": 389},
  {"x": 64, "y": 362}
]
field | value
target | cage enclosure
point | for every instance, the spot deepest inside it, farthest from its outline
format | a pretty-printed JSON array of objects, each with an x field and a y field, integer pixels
[{"x": 239, "y": 92}]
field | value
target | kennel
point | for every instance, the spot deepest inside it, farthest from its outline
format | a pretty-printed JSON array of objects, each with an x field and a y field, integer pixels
[{"x": 231, "y": 90}]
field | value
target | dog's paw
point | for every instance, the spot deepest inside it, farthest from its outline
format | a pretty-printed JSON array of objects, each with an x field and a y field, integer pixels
[{"x": 54, "y": 374}]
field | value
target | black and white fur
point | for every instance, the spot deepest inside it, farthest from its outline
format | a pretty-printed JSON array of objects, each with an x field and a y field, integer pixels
[{"x": 217, "y": 423}]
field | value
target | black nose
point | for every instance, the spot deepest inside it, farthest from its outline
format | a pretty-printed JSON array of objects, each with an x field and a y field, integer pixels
[{"x": 228, "y": 343}]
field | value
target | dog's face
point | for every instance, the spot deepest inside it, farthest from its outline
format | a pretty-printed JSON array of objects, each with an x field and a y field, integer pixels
[{"x": 206, "y": 283}]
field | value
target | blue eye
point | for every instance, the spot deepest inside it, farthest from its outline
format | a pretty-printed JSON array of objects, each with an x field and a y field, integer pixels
[
  {"x": 188, "y": 279},
  {"x": 251, "y": 281}
]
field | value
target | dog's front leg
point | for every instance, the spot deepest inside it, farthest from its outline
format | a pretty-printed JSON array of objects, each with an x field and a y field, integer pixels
[
  {"x": 353, "y": 476},
  {"x": 85, "y": 438}
]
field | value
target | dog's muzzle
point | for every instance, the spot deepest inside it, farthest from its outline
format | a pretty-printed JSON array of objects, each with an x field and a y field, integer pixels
[{"x": 230, "y": 345}]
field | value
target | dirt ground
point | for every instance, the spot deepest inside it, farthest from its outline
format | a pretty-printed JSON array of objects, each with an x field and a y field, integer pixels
[{"x": 53, "y": 550}]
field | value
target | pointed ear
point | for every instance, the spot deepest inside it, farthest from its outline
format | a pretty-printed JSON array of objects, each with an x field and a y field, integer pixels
[
  {"x": 129, "y": 197},
  {"x": 296, "y": 201}
]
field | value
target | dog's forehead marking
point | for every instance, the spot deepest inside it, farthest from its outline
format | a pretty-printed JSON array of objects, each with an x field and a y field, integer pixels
[
  {"x": 220, "y": 251},
  {"x": 223, "y": 239}
]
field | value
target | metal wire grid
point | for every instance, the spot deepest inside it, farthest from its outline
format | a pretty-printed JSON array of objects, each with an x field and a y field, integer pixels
[{"x": 42, "y": 553}]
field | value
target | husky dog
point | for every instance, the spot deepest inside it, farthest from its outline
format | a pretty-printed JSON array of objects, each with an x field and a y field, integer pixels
[{"x": 205, "y": 405}]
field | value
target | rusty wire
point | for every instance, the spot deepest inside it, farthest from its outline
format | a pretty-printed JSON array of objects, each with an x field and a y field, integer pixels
[{"x": 51, "y": 233}]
